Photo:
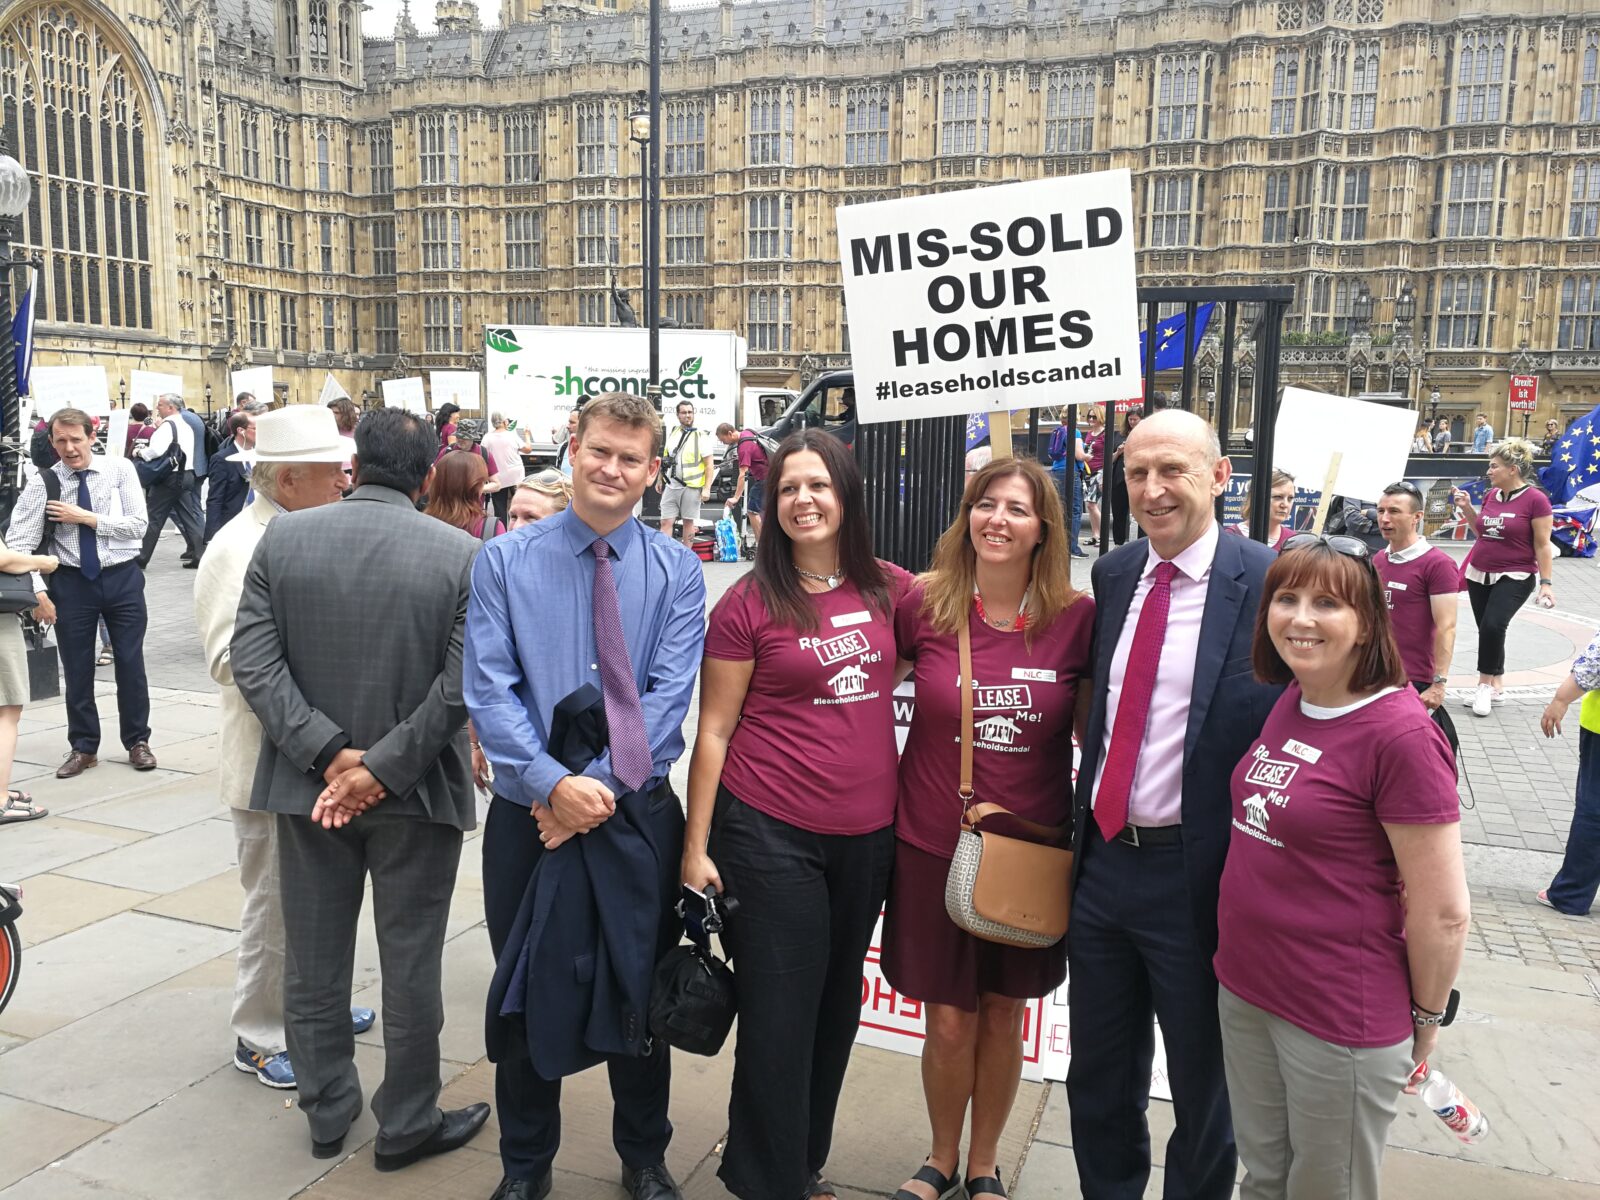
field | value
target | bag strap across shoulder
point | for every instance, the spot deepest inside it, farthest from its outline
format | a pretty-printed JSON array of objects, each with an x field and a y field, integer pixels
[{"x": 964, "y": 644}]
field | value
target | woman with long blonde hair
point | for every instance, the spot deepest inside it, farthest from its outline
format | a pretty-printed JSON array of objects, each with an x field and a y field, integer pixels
[{"x": 1002, "y": 572}]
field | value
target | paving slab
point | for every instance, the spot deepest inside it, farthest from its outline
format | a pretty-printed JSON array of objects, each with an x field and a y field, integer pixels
[
  {"x": 36, "y": 1135},
  {"x": 81, "y": 972},
  {"x": 176, "y": 859},
  {"x": 44, "y": 845},
  {"x": 187, "y": 754},
  {"x": 59, "y": 1182},
  {"x": 57, "y": 904},
  {"x": 225, "y": 1136},
  {"x": 179, "y": 719},
  {"x": 216, "y": 901},
  {"x": 160, "y": 809},
  {"x": 108, "y": 781},
  {"x": 68, "y": 1068}
]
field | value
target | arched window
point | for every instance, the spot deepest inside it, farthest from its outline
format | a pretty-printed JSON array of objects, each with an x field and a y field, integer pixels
[
  {"x": 347, "y": 35},
  {"x": 76, "y": 117},
  {"x": 317, "y": 34}
]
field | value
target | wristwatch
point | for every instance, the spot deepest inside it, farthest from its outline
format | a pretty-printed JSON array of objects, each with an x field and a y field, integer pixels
[{"x": 1439, "y": 678}]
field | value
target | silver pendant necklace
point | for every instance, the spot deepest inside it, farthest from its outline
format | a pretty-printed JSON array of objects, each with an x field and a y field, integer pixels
[{"x": 832, "y": 581}]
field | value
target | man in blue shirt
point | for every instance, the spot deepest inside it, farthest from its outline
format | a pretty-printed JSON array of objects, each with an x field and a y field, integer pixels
[
  {"x": 1482, "y": 435},
  {"x": 547, "y": 605}
]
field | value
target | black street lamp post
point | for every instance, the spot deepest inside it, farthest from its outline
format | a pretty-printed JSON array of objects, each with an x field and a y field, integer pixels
[
  {"x": 652, "y": 278},
  {"x": 15, "y": 189}
]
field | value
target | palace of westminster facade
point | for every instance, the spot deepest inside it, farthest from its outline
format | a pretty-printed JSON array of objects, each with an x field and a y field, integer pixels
[{"x": 223, "y": 183}]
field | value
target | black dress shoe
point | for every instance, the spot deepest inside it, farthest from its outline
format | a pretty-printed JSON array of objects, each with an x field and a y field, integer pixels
[
  {"x": 456, "y": 1129},
  {"x": 650, "y": 1183},
  {"x": 522, "y": 1189},
  {"x": 328, "y": 1149}
]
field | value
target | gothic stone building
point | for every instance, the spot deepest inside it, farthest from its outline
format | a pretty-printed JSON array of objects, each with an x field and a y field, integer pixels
[{"x": 220, "y": 183}]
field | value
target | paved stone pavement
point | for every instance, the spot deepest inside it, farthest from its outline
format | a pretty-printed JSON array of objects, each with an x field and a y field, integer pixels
[{"x": 114, "y": 1057}]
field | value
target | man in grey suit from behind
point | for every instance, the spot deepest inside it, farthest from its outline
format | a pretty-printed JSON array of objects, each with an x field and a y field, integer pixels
[{"x": 347, "y": 646}]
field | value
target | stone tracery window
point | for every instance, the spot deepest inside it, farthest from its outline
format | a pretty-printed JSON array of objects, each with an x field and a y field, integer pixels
[{"x": 76, "y": 118}]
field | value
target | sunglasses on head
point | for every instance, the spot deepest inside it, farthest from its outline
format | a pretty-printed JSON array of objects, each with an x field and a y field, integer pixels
[
  {"x": 547, "y": 477},
  {"x": 1409, "y": 489},
  {"x": 1339, "y": 543}
]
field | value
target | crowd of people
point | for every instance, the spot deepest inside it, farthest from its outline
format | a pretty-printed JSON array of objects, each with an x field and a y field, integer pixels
[{"x": 1243, "y": 837}]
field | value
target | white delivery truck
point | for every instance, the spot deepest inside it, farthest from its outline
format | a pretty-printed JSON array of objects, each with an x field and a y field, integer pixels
[{"x": 535, "y": 374}]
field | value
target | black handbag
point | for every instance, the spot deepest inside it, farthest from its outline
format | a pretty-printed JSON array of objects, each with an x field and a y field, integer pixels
[
  {"x": 692, "y": 1000},
  {"x": 169, "y": 462},
  {"x": 16, "y": 593},
  {"x": 44, "y": 663}
]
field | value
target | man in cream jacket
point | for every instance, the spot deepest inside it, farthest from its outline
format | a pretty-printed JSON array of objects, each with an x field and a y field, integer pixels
[{"x": 298, "y": 462}]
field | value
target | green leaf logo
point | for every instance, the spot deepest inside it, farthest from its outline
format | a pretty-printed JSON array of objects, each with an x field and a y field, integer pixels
[
  {"x": 502, "y": 340},
  {"x": 689, "y": 366}
]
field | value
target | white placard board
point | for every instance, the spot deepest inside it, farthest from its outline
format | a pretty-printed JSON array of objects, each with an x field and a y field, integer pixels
[
  {"x": 332, "y": 389},
  {"x": 1375, "y": 440},
  {"x": 405, "y": 393},
  {"x": 255, "y": 380},
  {"x": 1006, "y": 297},
  {"x": 145, "y": 386},
  {"x": 54, "y": 388},
  {"x": 461, "y": 388},
  {"x": 117, "y": 432}
]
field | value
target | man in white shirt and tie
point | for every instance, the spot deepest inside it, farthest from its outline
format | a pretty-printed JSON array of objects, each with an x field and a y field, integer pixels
[{"x": 178, "y": 494}]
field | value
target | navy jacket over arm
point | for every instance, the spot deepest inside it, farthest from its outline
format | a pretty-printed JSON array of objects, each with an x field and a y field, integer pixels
[
  {"x": 1226, "y": 712},
  {"x": 574, "y": 976}
]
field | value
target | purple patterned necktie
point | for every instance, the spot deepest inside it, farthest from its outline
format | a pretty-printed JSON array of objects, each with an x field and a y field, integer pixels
[{"x": 630, "y": 745}]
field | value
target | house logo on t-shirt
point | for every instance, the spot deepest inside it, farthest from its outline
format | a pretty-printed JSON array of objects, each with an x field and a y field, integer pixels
[
  {"x": 1255, "y": 811},
  {"x": 997, "y": 729},
  {"x": 1494, "y": 527},
  {"x": 851, "y": 681}
]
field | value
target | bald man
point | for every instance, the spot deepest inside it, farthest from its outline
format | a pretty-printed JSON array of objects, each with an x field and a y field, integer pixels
[{"x": 1152, "y": 814}]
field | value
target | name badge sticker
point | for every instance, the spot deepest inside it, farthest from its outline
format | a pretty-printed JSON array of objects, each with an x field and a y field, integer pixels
[
  {"x": 1302, "y": 751},
  {"x": 845, "y": 620},
  {"x": 1397, "y": 586},
  {"x": 1033, "y": 675}
]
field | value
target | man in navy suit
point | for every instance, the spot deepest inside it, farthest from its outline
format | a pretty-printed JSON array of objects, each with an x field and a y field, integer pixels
[
  {"x": 230, "y": 480},
  {"x": 1174, "y": 708}
]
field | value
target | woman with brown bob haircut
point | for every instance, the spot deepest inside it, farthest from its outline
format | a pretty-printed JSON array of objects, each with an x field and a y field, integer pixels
[
  {"x": 456, "y": 494},
  {"x": 1333, "y": 987},
  {"x": 1001, "y": 572}
]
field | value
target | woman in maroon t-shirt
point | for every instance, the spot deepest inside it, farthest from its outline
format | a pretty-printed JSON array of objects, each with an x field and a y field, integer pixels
[
  {"x": 1280, "y": 505},
  {"x": 1513, "y": 548},
  {"x": 1001, "y": 569},
  {"x": 1343, "y": 909},
  {"x": 792, "y": 783},
  {"x": 1094, "y": 442}
]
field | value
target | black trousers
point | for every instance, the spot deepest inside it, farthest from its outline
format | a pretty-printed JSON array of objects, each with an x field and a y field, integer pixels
[
  {"x": 527, "y": 1105},
  {"x": 807, "y": 906},
  {"x": 1493, "y": 606},
  {"x": 1131, "y": 953},
  {"x": 501, "y": 503},
  {"x": 178, "y": 497},
  {"x": 117, "y": 596}
]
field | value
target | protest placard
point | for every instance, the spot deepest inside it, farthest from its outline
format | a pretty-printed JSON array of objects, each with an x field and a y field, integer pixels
[
  {"x": 255, "y": 380},
  {"x": 460, "y": 388},
  {"x": 1371, "y": 443},
  {"x": 144, "y": 387},
  {"x": 117, "y": 432},
  {"x": 1004, "y": 297},
  {"x": 405, "y": 393},
  {"x": 332, "y": 389},
  {"x": 70, "y": 387}
]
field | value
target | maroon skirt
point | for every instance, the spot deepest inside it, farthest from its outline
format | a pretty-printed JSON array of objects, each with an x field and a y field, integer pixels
[{"x": 928, "y": 957}]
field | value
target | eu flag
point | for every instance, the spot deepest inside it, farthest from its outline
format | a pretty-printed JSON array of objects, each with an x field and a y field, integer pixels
[
  {"x": 22, "y": 336},
  {"x": 1170, "y": 337},
  {"x": 977, "y": 429},
  {"x": 1574, "y": 460}
]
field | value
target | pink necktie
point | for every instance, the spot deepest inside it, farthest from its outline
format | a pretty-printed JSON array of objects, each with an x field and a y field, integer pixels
[
  {"x": 1133, "y": 711},
  {"x": 630, "y": 745}
]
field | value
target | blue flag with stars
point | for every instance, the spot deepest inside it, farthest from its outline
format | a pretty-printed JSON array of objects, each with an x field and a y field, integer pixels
[
  {"x": 977, "y": 429},
  {"x": 1170, "y": 337},
  {"x": 1574, "y": 460}
]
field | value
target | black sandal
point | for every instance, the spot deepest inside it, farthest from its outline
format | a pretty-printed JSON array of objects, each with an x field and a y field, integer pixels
[
  {"x": 947, "y": 1187},
  {"x": 820, "y": 1187},
  {"x": 986, "y": 1185}
]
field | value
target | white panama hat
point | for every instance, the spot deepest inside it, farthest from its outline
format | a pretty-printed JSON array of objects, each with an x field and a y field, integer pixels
[{"x": 297, "y": 433}]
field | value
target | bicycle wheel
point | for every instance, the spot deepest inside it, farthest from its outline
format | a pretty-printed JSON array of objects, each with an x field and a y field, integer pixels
[{"x": 10, "y": 962}]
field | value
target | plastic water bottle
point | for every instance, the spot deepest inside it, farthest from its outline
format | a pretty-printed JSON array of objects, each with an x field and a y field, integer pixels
[
  {"x": 727, "y": 541},
  {"x": 1460, "y": 1115}
]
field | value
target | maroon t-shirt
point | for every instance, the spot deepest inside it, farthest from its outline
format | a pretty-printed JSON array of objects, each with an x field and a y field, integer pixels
[
  {"x": 1021, "y": 721},
  {"x": 815, "y": 743},
  {"x": 1409, "y": 588},
  {"x": 1242, "y": 528},
  {"x": 1312, "y": 927},
  {"x": 1505, "y": 531},
  {"x": 751, "y": 456}
]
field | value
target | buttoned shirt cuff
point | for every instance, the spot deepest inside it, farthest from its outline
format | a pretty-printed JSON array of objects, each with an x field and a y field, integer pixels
[
  {"x": 38, "y": 582},
  {"x": 325, "y": 757},
  {"x": 539, "y": 779},
  {"x": 600, "y": 769}
]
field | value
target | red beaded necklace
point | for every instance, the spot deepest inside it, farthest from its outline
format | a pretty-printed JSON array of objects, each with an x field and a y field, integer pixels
[{"x": 1017, "y": 626}]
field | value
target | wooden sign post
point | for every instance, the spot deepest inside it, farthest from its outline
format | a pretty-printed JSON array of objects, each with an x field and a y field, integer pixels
[{"x": 1327, "y": 491}]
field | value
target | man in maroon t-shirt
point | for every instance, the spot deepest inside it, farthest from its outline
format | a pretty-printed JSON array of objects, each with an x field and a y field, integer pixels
[
  {"x": 1421, "y": 584},
  {"x": 752, "y": 472}
]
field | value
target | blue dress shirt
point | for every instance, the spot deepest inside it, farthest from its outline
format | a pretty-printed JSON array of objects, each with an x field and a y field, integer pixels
[{"x": 530, "y": 643}]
